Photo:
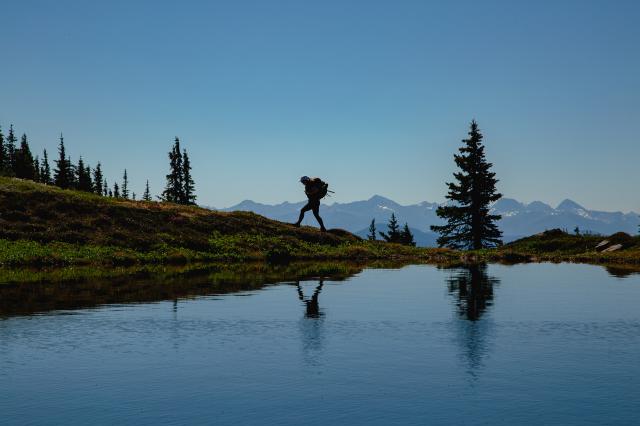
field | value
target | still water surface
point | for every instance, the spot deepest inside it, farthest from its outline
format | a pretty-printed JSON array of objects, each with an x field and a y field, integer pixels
[{"x": 525, "y": 344}]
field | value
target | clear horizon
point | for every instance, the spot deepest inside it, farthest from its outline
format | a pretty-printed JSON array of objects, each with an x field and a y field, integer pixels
[
  {"x": 374, "y": 97},
  {"x": 329, "y": 202}
]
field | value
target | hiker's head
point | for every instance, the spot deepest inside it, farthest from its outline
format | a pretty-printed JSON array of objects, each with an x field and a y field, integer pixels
[{"x": 305, "y": 179}]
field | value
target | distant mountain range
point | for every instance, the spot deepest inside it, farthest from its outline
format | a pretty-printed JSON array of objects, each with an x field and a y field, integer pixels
[{"x": 518, "y": 219}]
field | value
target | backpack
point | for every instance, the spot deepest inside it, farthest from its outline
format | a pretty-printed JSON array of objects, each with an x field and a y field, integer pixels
[{"x": 324, "y": 188}]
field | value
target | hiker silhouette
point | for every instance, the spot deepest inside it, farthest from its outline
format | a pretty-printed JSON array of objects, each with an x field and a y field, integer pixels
[{"x": 315, "y": 189}]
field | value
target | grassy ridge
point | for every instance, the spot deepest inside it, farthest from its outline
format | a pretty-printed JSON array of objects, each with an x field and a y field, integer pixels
[
  {"x": 558, "y": 246},
  {"x": 44, "y": 225}
]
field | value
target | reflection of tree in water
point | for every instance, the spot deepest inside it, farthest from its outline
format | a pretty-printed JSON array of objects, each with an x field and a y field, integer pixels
[
  {"x": 311, "y": 325},
  {"x": 472, "y": 288}
]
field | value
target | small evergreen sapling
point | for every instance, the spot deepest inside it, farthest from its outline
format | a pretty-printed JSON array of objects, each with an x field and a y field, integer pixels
[
  {"x": 393, "y": 233},
  {"x": 45, "y": 170},
  {"x": 147, "y": 194},
  {"x": 125, "y": 185},
  {"x": 372, "y": 230},
  {"x": 406, "y": 237}
]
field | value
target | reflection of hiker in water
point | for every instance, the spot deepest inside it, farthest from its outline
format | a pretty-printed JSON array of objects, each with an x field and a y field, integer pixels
[
  {"x": 313, "y": 309},
  {"x": 315, "y": 189}
]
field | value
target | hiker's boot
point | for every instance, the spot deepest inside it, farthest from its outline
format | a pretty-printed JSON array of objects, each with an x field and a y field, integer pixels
[{"x": 297, "y": 224}]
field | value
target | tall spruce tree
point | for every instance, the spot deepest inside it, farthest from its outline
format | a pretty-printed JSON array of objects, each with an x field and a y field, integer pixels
[
  {"x": 10, "y": 162},
  {"x": 105, "y": 188},
  {"x": 23, "y": 162},
  {"x": 147, "y": 194},
  {"x": 188, "y": 185},
  {"x": 372, "y": 230},
  {"x": 62, "y": 172},
  {"x": 116, "y": 190},
  {"x": 98, "y": 180},
  {"x": 469, "y": 223},
  {"x": 125, "y": 185},
  {"x": 393, "y": 233},
  {"x": 45, "y": 169},
  {"x": 173, "y": 191}
]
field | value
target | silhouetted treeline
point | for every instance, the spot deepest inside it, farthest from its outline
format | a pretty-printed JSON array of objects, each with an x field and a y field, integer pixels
[
  {"x": 18, "y": 161},
  {"x": 394, "y": 234}
]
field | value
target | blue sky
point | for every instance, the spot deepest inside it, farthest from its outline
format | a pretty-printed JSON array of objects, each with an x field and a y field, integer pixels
[{"x": 373, "y": 96}]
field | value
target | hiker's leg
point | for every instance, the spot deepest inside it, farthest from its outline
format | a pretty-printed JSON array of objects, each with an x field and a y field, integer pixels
[
  {"x": 316, "y": 213},
  {"x": 306, "y": 208}
]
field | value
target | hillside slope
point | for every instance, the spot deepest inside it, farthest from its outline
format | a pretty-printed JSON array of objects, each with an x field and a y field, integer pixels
[
  {"x": 557, "y": 245},
  {"x": 44, "y": 224}
]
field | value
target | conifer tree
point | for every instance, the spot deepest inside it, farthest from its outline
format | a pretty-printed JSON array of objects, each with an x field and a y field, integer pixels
[
  {"x": 98, "y": 180},
  {"x": 110, "y": 193},
  {"x": 78, "y": 171},
  {"x": 393, "y": 233},
  {"x": 3, "y": 154},
  {"x": 173, "y": 191},
  {"x": 10, "y": 150},
  {"x": 469, "y": 224},
  {"x": 62, "y": 172},
  {"x": 73, "y": 175},
  {"x": 125, "y": 185},
  {"x": 406, "y": 237},
  {"x": 45, "y": 170},
  {"x": 116, "y": 190},
  {"x": 372, "y": 230},
  {"x": 23, "y": 161},
  {"x": 36, "y": 169},
  {"x": 188, "y": 185},
  {"x": 147, "y": 194},
  {"x": 87, "y": 173},
  {"x": 105, "y": 188},
  {"x": 133, "y": 196},
  {"x": 83, "y": 174}
]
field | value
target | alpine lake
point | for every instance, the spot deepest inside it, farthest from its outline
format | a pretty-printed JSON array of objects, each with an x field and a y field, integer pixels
[{"x": 314, "y": 344}]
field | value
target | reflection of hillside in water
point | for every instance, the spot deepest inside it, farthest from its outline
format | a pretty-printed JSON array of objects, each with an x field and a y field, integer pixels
[
  {"x": 622, "y": 271},
  {"x": 58, "y": 290},
  {"x": 472, "y": 289}
]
